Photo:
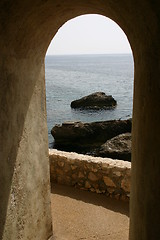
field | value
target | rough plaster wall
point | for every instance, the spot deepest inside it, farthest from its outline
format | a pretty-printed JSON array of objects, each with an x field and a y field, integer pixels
[
  {"x": 26, "y": 29},
  {"x": 145, "y": 191},
  {"x": 25, "y": 198},
  {"x": 24, "y": 179}
]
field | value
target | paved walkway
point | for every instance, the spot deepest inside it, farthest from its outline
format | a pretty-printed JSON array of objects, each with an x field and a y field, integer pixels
[{"x": 80, "y": 215}]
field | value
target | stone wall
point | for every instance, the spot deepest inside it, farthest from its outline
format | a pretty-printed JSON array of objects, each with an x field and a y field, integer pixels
[{"x": 95, "y": 174}]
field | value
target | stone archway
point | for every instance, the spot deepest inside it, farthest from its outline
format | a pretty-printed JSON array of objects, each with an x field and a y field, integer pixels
[{"x": 26, "y": 29}]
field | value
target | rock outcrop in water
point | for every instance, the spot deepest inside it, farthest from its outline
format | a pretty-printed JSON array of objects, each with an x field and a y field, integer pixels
[
  {"x": 87, "y": 137},
  {"x": 118, "y": 147},
  {"x": 95, "y": 101}
]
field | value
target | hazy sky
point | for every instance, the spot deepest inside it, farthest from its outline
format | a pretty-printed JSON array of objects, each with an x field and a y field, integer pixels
[{"x": 89, "y": 34}]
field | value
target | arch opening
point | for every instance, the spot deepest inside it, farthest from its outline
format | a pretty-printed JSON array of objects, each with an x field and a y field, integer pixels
[
  {"x": 71, "y": 75},
  {"x": 82, "y": 64}
]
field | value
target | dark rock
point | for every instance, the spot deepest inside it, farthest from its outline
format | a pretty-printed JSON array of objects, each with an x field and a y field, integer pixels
[
  {"x": 118, "y": 147},
  {"x": 79, "y": 136},
  {"x": 95, "y": 101}
]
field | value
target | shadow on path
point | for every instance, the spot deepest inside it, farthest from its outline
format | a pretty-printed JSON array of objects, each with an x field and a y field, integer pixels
[{"x": 92, "y": 198}]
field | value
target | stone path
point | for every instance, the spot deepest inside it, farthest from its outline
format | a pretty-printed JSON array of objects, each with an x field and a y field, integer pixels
[{"x": 81, "y": 215}]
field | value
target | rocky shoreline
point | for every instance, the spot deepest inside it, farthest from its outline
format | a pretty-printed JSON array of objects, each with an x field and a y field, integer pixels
[{"x": 105, "y": 139}]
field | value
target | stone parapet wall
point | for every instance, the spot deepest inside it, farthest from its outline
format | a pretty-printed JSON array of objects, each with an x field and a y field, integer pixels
[{"x": 95, "y": 174}]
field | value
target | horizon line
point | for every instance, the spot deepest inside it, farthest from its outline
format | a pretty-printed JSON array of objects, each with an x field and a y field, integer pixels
[{"x": 75, "y": 54}]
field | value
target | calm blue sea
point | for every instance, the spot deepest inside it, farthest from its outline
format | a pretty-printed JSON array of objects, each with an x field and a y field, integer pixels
[{"x": 74, "y": 76}]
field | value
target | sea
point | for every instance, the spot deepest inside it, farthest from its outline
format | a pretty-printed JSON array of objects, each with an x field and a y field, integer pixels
[{"x": 70, "y": 77}]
